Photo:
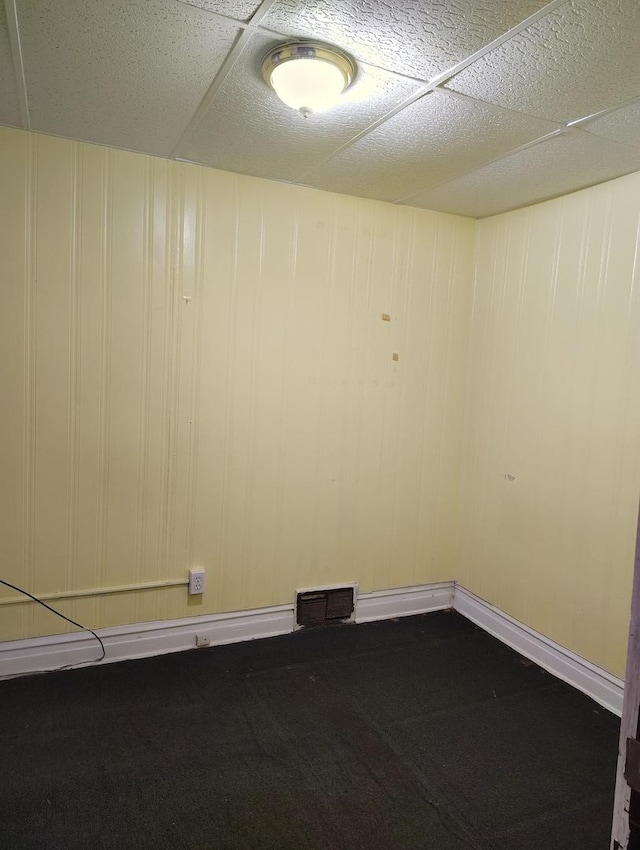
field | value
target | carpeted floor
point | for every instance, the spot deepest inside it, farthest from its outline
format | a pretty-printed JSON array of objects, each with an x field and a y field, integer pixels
[{"x": 420, "y": 733}]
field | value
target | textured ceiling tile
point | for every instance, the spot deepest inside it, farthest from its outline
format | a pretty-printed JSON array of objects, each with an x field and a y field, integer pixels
[
  {"x": 241, "y": 10},
  {"x": 430, "y": 141},
  {"x": 559, "y": 165},
  {"x": 419, "y": 39},
  {"x": 622, "y": 126},
  {"x": 577, "y": 60},
  {"x": 249, "y": 130},
  {"x": 9, "y": 107},
  {"x": 127, "y": 74}
]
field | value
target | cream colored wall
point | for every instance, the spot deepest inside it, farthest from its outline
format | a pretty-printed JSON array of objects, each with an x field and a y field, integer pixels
[
  {"x": 554, "y": 400},
  {"x": 195, "y": 372}
]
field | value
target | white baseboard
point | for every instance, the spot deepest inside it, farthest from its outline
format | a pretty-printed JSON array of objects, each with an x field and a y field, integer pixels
[
  {"x": 605, "y": 689},
  {"x": 404, "y": 601},
  {"x": 140, "y": 640}
]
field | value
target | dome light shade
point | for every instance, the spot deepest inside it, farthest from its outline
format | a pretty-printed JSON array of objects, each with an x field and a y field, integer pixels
[{"x": 307, "y": 76}]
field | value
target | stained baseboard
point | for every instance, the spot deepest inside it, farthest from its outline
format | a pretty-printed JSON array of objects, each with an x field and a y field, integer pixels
[
  {"x": 605, "y": 689},
  {"x": 141, "y": 640}
]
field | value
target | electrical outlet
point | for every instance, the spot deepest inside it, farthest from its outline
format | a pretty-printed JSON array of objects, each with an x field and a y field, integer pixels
[
  {"x": 203, "y": 640},
  {"x": 196, "y": 581}
]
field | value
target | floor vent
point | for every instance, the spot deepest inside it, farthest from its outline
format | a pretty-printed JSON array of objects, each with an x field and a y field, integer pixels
[{"x": 316, "y": 607}]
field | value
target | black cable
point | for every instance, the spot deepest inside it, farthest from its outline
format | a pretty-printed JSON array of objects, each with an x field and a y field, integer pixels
[{"x": 53, "y": 611}]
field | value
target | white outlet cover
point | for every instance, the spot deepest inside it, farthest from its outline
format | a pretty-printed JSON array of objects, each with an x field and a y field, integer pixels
[{"x": 196, "y": 581}]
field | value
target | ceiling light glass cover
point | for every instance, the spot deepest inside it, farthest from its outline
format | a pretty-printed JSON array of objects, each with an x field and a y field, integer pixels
[{"x": 308, "y": 76}]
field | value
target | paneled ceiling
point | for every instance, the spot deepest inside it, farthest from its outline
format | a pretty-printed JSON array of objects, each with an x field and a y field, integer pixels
[{"x": 465, "y": 106}]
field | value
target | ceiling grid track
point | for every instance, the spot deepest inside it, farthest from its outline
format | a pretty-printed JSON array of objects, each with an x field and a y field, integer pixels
[
  {"x": 232, "y": 57},
  {"x": 512, "y": 152},
  {"x": 466, "y": 108},
  {"x": 227, "y": 66},
  {"x": 439, "y": 80},
  {"x": 579, "y": 122},
  {"x": 573, "y": 127}
]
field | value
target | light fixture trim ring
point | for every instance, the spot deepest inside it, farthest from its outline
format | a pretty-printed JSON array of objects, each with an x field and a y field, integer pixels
[{"x": 291, "y": 50}]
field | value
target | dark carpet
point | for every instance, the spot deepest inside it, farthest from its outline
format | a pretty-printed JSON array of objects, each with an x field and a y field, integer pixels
[{"x": 419, "y": 733}]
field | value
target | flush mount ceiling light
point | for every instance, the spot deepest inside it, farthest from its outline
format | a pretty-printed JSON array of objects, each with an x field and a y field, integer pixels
[{"x": 308, "y": 76}]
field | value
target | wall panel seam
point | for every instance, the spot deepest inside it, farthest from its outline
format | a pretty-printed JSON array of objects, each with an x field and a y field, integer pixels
[
  {"x": 30, "y": 366},
  {"x": 105, "y": 373},
  {"x": 196, "y": 377},
  {"x": 75, "y": 365}
]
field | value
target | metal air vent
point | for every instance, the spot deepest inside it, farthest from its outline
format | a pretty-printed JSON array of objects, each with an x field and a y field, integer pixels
[{"x": 317, "y": 607}]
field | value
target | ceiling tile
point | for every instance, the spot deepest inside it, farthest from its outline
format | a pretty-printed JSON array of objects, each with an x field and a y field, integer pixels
[
  {"x": 9, "y": 106},
  {"x": 127, "y": 74},
  {"x": 430, "y": 141},
  {"x": 419, "y": 39},
  {"x": 622, "y": 125},
  {"x": 559, "y": 165},
  {"x": 577, "y": 60},
  {"x": 241, "y": 10},
  {"x": 248, "y": 129}
]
